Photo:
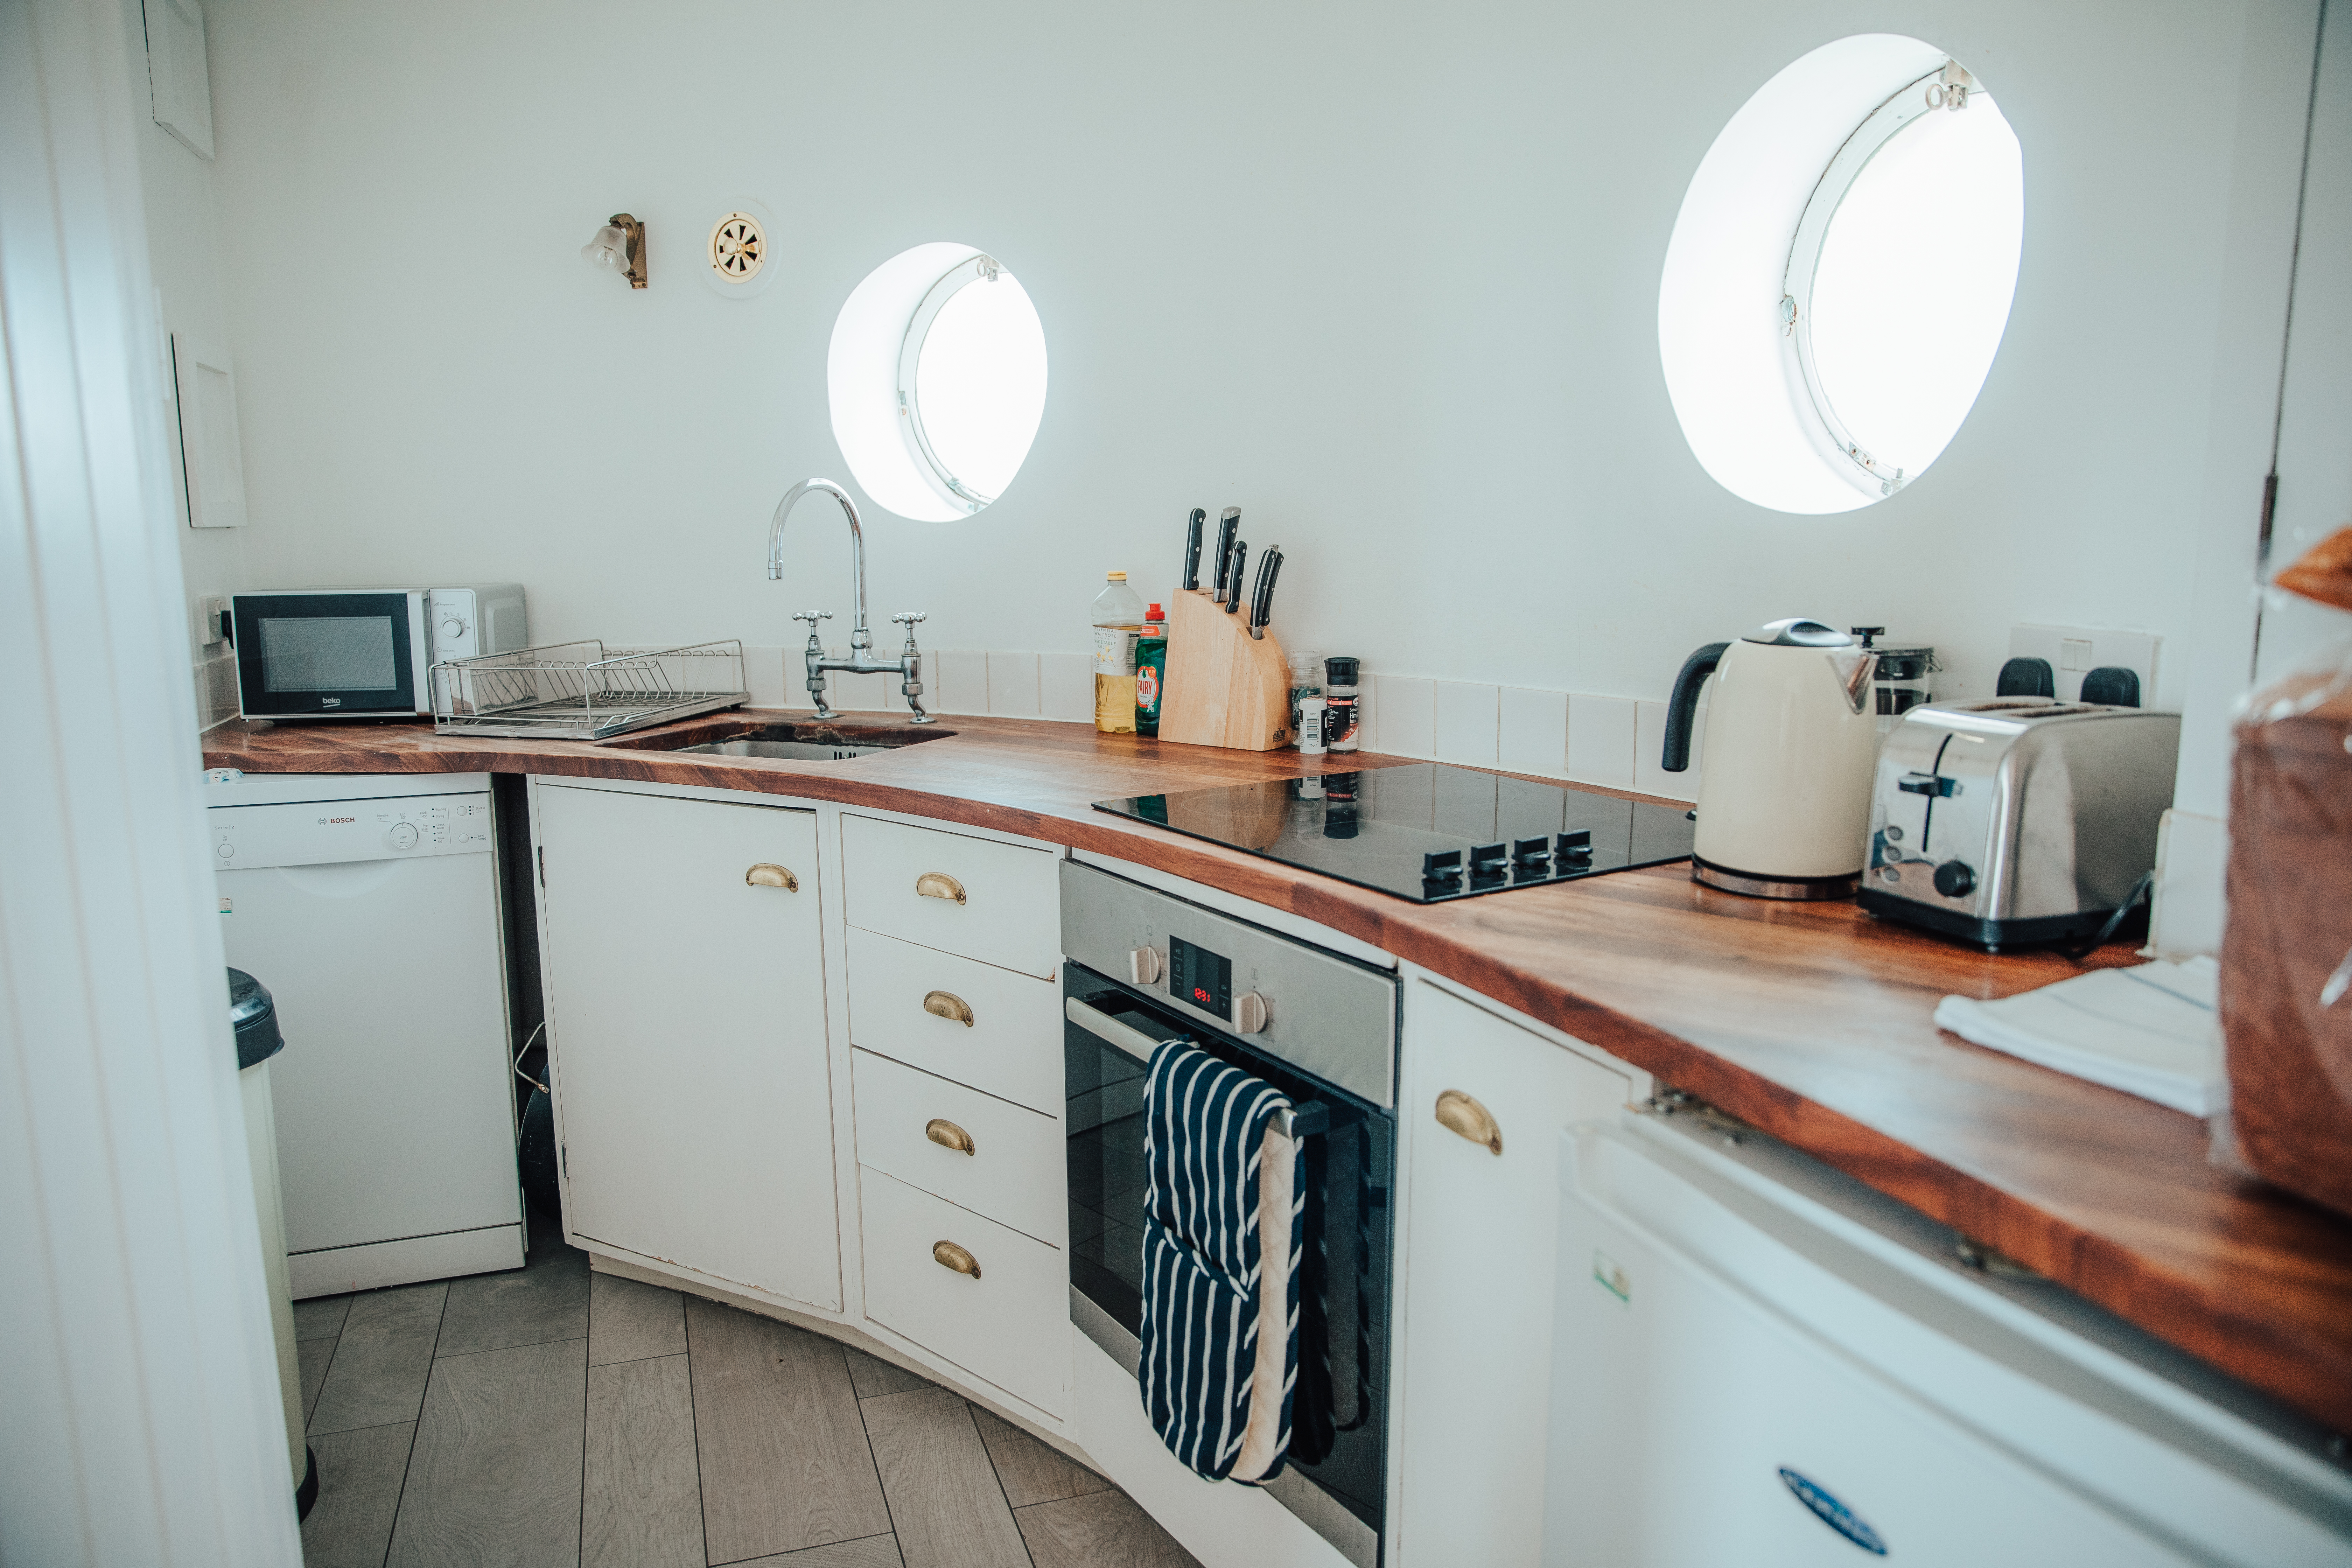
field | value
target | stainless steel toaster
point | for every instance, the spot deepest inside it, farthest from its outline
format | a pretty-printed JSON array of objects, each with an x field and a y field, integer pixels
[{"x": 2016, "y": 819}]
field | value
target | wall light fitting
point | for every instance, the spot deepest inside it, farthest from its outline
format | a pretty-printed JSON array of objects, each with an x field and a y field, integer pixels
[{"x": 620, "y": 245}]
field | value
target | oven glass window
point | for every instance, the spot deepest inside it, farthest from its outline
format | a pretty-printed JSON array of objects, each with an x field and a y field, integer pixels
[{"x": 328, "y": 653}]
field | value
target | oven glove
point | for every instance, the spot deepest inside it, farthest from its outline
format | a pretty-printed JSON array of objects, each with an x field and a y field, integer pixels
[{"x": 1220, "y": 1282}]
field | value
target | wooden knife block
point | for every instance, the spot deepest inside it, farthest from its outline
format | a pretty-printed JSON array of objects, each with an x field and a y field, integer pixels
[{"x": 1225, "y": 688}]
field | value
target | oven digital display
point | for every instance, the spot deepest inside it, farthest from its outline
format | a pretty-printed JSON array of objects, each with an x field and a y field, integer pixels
[{"x": 1205, "y": 979}]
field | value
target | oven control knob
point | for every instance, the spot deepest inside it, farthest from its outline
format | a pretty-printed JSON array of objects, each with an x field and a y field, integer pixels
[
  {"x": 401, "y": 836},
  {"x": 1144, "y": 966},
  {"x": 1249, "y": 1013}
]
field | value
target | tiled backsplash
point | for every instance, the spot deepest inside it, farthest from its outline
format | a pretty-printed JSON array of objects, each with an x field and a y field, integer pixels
[{"x": 1610, "y": 740}]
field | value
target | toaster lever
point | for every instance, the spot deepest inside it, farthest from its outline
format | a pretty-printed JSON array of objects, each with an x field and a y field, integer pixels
[{"x": 1936, "y": 784}]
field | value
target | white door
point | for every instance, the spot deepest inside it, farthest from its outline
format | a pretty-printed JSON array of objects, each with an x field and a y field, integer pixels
[
  {"x": 685, "y": 1011},
  {"x": 393, "y": 1115},
  {"x": 1477, "y": 1278}
]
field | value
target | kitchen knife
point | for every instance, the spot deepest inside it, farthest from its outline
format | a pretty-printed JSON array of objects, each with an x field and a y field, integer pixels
[
  {"x": 1228, "y": 525},
  {"x": 1241, "y": 559},
  {"x": 1269, "y": 567},
  {"x": 1193, "y": 548}
]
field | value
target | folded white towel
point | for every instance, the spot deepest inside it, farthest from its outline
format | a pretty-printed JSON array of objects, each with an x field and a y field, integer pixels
[{"x": 2151, "y": 1030}]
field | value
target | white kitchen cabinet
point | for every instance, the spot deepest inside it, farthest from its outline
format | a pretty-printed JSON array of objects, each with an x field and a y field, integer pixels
[
  {"x": 686, "y": 1011},
  {"x": 1477, "y": 1276}
]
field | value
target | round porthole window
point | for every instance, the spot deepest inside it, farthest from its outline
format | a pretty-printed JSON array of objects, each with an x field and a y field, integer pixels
[
  {"x": 1879, "y": 186},
  {"x": 937, "y": 378}
]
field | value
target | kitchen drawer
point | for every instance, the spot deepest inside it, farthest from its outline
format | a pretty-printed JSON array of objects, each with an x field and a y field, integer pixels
[
  {"x": 1015, "y": 1173},
  {"x": 1010, "y": 913},
  {"x": 1011, "y": 1047},
  {"x": 1011, "y": 1325}
]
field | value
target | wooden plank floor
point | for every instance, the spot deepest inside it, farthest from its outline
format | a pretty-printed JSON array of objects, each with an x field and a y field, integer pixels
[{"x": 550, "y": 1417}]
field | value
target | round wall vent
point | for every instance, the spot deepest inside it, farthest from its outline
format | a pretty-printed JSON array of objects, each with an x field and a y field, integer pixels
[{"x": 739, "y": 248}]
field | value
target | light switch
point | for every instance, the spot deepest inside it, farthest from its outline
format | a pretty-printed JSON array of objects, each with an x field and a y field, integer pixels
[{"x": 2075, "y": 653}]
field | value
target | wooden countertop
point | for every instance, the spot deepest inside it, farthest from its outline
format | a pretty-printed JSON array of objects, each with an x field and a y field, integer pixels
[{"x": 1810, "y": 1021}]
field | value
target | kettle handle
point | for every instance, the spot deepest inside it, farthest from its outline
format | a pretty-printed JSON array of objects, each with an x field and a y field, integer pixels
[{"x": 1682, "y": 708}]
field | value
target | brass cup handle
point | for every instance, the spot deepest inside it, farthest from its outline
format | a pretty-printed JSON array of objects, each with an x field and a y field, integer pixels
[
  {"x": 939, "y": 885},
  {"x": 948, "y": 1135},
  {"x": 767, "y": 875},
  {"x": 948, "y": 1004},
  {"x": 947, "y": 1255},
  {"x": 1458, "y": 1113}
]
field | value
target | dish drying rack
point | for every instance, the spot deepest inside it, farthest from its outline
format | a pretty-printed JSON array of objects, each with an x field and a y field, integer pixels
[{"x": 584, "y": 691}]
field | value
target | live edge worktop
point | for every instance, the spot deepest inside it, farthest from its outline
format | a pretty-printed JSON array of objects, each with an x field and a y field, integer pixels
[{"x": 1810, "y": 1021}]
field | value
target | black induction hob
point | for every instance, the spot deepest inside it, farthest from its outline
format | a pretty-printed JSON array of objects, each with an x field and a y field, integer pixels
[{"x": 1425, "y": 831}]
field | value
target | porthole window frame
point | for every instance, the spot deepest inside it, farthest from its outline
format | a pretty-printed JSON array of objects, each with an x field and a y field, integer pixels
[
  {"x": 1846, "y": 456},
  {"x": 978, "y": 267}
]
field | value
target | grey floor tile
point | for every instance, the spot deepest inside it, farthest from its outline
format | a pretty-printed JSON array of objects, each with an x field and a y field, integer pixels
[
  {"x": 495, "y": 1478},
  {"x": 631, "y": 1321},
  {"x": 874, "y": 1551},
  {"x": 381, "y": 1358},
  {"x": 874, "y": 1377},
  {"x": 359, "y": 1493},
  {"x": 320, "y": 1316},
  {"x": 642, "y": 1507},
  {"x": 1104, "y": 1529},
  {"x": 1032, "y": 1472},
  {"x": 945, "y": 1502},
  {"x": 310, "y": 1357},
  {"x": 545, "y": 1300},
  {"x": 784, "y": 1460}
]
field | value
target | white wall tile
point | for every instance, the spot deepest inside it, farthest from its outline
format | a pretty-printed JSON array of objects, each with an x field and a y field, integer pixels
[
  {"x": 1465, "y": 723},
  {"x": 1065, "y": 687},
  {"x": 1600, "y": 737},
  {"x": 1012, "y": 685},
  {"x": 962, "y": 683},
  {"x": 764, "y": 677},
  {"x": 1405, "y": 710},
  {"x": 859, "y": 693},
  {"x": 1533, "y": 731}
]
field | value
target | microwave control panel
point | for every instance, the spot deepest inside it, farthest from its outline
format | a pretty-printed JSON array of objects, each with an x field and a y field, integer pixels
[{"x": 323, "y": 833}]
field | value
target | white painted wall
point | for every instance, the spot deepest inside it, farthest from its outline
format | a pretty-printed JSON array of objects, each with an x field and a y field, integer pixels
[
  {"x": 1382, "y": 275},
  {"x": 175, "y": 188}
]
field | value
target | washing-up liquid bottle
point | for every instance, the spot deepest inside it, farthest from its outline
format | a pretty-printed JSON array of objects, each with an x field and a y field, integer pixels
[
  {"x": 1151, "y": 671},
  {"x": 1119, "y": 624}
]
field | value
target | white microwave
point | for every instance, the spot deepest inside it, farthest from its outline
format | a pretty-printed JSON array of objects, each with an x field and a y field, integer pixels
[{"x": 362, "y": 653}]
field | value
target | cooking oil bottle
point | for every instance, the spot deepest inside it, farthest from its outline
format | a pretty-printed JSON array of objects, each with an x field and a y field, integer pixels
[{"x": 1118, "y": 622}]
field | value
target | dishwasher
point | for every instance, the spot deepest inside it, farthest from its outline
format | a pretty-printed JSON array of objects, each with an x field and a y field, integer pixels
[
  {"x": 370, "y": 907},
  {"x": 1760, "y": 1361}
]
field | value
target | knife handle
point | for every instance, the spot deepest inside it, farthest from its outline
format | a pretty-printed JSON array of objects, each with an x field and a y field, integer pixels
[
  {"x": 1193, "y": 548},
  {"x": 1241, "y": 560},
  {"x": 1228, "y": 525}
]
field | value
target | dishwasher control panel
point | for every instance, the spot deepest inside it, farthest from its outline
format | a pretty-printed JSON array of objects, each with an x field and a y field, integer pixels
[{"x": 321, "y": 833}]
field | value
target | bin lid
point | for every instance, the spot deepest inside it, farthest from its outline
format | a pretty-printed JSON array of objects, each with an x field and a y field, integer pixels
[{"x": 254, "y": 1017}]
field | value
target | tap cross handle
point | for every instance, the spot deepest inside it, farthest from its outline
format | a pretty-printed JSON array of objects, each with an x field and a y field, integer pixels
[
  {"x": 909, "y": 619},
  {"x": 811, "y": 617}
]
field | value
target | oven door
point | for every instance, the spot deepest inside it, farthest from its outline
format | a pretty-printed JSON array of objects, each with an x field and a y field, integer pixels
[
  {"x": 330, "y": 653},
  {"x": 1338, "y": 1410}
]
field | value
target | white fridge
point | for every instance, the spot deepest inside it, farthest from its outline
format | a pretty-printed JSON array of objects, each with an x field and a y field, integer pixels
[
  {"x": 1761, "y": 1361},
  {"x": 369, "y": 906}
]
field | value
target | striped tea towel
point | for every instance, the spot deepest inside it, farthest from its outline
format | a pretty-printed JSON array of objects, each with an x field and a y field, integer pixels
[{"x": 1223, "y": 1226}]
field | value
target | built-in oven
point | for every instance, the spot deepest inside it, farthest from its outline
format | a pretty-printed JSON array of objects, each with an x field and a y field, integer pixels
[
  {"x": 362, "y": 653},
  {"x": 1145, "y": 967}
]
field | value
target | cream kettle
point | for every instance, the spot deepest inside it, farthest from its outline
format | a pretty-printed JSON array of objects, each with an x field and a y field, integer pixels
[{"x": 1784, "y": 782}]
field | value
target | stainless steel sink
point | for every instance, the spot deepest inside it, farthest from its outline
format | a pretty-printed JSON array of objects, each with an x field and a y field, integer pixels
[
  {"x": 792, "y": 750},
  {"x": 800, "y": 742}
]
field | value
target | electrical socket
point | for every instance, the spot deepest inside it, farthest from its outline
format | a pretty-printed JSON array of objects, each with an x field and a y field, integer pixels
[
  {"x": 211, "y": 609},
  {"x": 2074, "y": 651}
]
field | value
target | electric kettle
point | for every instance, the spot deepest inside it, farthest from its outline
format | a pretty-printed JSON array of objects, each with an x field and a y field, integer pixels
[{"x": 1784, "y": 787}]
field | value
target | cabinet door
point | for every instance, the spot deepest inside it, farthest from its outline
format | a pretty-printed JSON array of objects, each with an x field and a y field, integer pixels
[
  {"x": 1478, "y": 1278},
  {"x": 686, "y": 1010}
]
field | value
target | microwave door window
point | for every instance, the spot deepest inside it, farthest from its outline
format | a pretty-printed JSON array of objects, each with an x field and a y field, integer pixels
[{"x": 328, "y": 653}]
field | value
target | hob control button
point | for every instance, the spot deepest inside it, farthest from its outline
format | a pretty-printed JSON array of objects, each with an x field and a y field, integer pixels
[
  {"x": 1954, "y": 880},
  {"x": 401, "y": 836},
  {"x": 1250, "y": 1013}
]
